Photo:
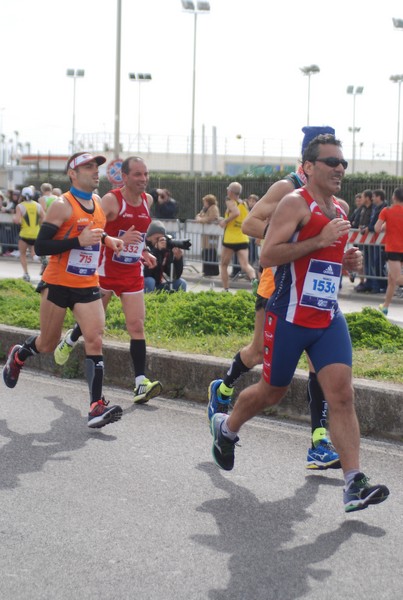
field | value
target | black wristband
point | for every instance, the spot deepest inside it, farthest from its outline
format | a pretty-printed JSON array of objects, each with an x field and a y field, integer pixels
[{"x": 103, "y": 237}]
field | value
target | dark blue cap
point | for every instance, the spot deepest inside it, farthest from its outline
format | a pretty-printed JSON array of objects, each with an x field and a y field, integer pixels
[{"x": 312, "y": 132}]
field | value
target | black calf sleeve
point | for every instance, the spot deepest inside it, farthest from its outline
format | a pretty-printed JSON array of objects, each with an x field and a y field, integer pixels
[
  {"x": 235, "y": 371},
  {"x": 94, "y": 371},
  {"x": 28, "y": 348},
  {"x": 317, "y": 402},
  {"x": 76, "y": 333}
]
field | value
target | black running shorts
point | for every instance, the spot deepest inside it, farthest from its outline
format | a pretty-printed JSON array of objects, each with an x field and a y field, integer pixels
[{"x": 67, "y": 297}]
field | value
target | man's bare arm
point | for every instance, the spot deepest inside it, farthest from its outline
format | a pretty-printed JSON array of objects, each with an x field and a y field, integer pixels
[
  {"x": 110, "y": 206},
  {"x": 258, "y": 218},
  {"x": 379, "y": 225},
  {"x": 291, "y": 213}
]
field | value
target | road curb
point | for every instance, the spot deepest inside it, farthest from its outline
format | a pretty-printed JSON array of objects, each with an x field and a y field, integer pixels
[{"x": 379, "y": 405}]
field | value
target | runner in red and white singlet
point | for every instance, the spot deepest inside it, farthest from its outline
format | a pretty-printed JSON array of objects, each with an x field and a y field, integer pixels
[
  {"x": 127, "y": 212},
  {"x": 306, "y": 289},
  {"x": 124, "y": 272},
  {"x": 309, "y": 243}
]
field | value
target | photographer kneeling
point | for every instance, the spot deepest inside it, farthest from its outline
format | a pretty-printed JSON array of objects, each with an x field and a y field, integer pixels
[{"x": 166, "y": 275}]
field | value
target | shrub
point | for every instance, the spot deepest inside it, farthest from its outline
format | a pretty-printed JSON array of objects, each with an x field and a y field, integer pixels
[
  {"x": 371, "y": 329},
  {"x": 184, "y": 314}
]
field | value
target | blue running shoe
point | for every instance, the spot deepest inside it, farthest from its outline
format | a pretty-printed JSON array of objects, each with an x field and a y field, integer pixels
[
  {"x": 223, "y": 447},
  {"x": 324, "y": 456},
  {"x": 359, "y": 494},
  {"x": 216, "y": 403}
]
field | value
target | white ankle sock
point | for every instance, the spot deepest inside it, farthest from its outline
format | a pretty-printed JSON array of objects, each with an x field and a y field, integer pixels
[
  {"x": 226, "y": 431},
  {"x": 349, "y": 476}
]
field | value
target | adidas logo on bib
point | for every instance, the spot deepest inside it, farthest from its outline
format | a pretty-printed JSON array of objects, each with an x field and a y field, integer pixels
[{"x": 328, "y": 270}]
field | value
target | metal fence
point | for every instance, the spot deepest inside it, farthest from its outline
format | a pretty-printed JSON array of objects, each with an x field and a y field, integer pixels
[
  {"x": 8, "y": 234},
  {"x": 207, "y": 242},
  {"x": 189, "y": 191},
  {"x": 206, "y": 239}
]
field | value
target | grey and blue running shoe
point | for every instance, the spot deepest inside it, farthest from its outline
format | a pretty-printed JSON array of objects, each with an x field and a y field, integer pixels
[
  {"x": 223, "y": 447},
  {"x": 359, "y": 494}
]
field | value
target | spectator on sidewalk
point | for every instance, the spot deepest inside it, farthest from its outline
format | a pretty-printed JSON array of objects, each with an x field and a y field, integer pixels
[
  {"x": 355, "y": 217},
  {"x": 365, "y": 217},
  {"x": 165, "y": 207},
  {"x": 10, "y": 202},
  {"x": 376, "y": 283},
  {"x": 166, "y": 275},
  {"x": 209, "y": 214}
]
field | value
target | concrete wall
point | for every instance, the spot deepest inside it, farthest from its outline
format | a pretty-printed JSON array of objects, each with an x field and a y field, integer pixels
[{"x": 379, "y": 405}]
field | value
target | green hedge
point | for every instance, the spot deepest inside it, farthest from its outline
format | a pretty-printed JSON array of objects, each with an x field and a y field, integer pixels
[
  {"x": 187, "y": 314},
  {"x": 188, "y": 191}
]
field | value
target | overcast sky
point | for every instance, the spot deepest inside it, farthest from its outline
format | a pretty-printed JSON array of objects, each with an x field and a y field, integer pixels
[{"x": 249, "y": 81}]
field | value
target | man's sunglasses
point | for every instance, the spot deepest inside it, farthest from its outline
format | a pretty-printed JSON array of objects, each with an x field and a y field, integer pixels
[{"x": 332, "y": 161}]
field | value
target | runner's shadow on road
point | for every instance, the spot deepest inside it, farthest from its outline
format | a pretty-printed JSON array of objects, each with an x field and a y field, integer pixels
[
  {"x": 146, "y": 407},
  {"x": 28, "y": 452},
  {"x": 255, "y": 535}
]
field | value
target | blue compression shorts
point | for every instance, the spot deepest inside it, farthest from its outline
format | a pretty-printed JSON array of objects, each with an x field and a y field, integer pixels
[{"x": 285, "y": 342}]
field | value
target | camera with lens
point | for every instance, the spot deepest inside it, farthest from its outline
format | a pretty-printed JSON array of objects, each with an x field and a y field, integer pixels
[{"x": 174, "y": 243}]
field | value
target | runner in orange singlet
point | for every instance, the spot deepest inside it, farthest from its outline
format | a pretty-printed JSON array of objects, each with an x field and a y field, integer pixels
[{"x": 72, "y": 235}]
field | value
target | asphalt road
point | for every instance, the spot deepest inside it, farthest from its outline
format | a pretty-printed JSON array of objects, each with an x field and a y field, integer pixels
[{"x": 139, "y": 511}]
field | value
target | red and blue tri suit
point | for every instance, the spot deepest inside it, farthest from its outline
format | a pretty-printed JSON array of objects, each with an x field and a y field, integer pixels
[
  {"x": 303, "y": 313},
  {"x": 123, "y": 273}
]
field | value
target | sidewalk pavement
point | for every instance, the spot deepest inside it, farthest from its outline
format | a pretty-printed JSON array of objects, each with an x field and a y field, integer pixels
[{"x": 379, "y": 405}]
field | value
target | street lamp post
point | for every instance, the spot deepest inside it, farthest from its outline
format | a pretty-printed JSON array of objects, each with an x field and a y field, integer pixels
[
  {"x": 116, "y": 136},
  {"x": 308, "y": 71},
  {"x": 74, "y": 73},
  {"x": 200, "y": 8},
  {"x": 398, "y": 24},
  {"x": 354, "y": 91},
  {"x": 397, "y": 79},
  {"x": 139, "y": 78}
]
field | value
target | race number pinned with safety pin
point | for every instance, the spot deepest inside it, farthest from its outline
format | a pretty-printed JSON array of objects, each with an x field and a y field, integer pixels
[
  {"x": 83, "y": 261},
  {"x": 131, "y": 253},
  {"x": 321, "y": 284}
]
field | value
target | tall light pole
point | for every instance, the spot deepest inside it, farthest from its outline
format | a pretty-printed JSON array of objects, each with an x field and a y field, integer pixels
[
  {"x": 354, "y": 91},
  {"x": 116, "y": 144},
  {"x": 308, "y": 71},
  {"x": 200, "y": 8},
  {"x": 139, "y": 78},
  {"x": 74, "y": 73},
  {"x": 397, "y": 79},
  {"x": 398, "y": 24}
]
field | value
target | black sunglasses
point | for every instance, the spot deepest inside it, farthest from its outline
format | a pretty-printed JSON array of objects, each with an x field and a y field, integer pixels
[{"x": 332, "y": 161}]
